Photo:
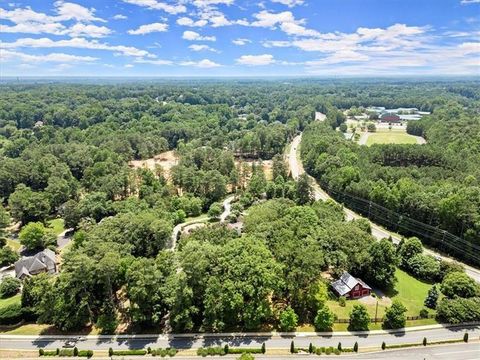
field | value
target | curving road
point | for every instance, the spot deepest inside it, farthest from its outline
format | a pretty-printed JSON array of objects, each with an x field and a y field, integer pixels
[
  {"x": 296, "y": 168},
  {"x": 178, "y": 228}
]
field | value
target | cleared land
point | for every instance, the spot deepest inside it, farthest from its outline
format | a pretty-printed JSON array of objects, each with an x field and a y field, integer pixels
[
  {"x": 166, "y": 160},
  {"x": 390, "y": 137}
]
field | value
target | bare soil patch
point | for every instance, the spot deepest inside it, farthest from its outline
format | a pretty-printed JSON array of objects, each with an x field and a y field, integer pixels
[{"x": 166, "y": 160}]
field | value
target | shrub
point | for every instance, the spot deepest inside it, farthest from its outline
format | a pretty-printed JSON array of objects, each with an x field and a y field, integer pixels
[
  {"x": 337, "y": 352},
  {"x": 342, "y": 300},
  {"x": 292, "y": 347},
  {"x": 129, "y": 352},
  {"x": 225, "y": 348},
  {"x": 424, "y": 342},
  {"x": 41, "y": 352},
  {"x": 359, "y": 318},
  {"x": 11, "y": 314},
  {"x": 328, "y": 351},
  {"x": 149, "y": 350},
  {"x": 383, "y": 345},
  {"x": 324, "y": 319},
  {"x": 339, "y": 347},
  {"x": 263, "y": 348},
  {"x": 110, "y": 352},
  {"x": 288, "y": 319},
  {"x": 75, "y": 351},
  {"x": 465, "y": 337},
  {"x": 432, "y": 298},
  {"x": 85, "y": 353},
  {"x": 395, "y": 316},
  {"x": 458, "y": 310},
  {"x": 355, "y": 347},
  {"x": 459, "y": 284},
  {"x": 310, "y": 348},
  {"x": 57, "y": 351},
  {"x": 9, "y": 287},
  {"x": 423, "y": 313}
]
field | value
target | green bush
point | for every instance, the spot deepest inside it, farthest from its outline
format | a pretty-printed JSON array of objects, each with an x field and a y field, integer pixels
[
  {"x": 337, "y": 352},
  {"x": 328, "y": 351},
  {"x": 41, "y": 352},
  {"x": 458, "y": 310},
  {"x": 11, "y": 314},
  {"x": 292, "y": 347},
  {"x": 85, "y": 353},
  {"x": 9, "y": 287},
  {"x": 244, "y": 350},
  {"x": 339, "y": 347},
  {"x": 264, "y": 348},
  {"x": 163, "y": 352},
  {"x": 424, "y": 313},
  {"x": 424, "y": 342},
  {"x": 342, "y": 301},
  {"x": 465, "y": 337},
  {"x": 110, "y": 352},
  {"x": 225, "y": 349},
  {"x": 355, "y": 347},
  {"x": 383, "y": 345},
  {"x": 66, "y": 352},
  {"x": 310, "y": 348}
]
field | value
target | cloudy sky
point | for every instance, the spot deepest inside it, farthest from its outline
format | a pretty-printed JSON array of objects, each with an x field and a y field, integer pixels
[{"x": 239, "y": 37}]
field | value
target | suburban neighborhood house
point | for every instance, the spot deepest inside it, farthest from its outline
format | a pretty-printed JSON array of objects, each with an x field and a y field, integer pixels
[
  {"x": 350, "y": 287},
  {"x": 43, "y": 261}
]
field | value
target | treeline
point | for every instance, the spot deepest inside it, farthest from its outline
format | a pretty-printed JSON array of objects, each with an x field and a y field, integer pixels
[{"x": 437, "y": 184}]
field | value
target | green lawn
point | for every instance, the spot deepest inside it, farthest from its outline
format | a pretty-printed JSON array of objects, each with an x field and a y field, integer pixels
[
  {"x": 57, "y": 225},
  {"x": 410, "y": 291},
  {"x": 390, "y": 137},
  {"x": 9, "y": 301}
]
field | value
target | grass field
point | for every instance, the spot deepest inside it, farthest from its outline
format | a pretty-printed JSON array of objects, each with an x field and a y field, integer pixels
[
  {"x": 390, "y": 137},
  {"x": 57, "y": 225},
  {"x": 10, "y": 301}
]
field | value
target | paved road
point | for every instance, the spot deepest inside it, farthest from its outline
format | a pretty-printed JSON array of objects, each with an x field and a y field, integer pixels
[
  {"x": 296, "y": 168},
  {"x": 227, "y": 208},
  {"x": 187, "y": 341}
]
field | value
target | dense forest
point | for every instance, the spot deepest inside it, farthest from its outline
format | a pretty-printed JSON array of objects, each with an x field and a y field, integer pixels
[
  {"x": 66, "y": 152},
  {"x": 437, "y": 183}
]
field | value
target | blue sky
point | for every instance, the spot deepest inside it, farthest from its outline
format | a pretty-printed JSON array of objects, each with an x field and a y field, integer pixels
[{"x": 239, "y": 37}]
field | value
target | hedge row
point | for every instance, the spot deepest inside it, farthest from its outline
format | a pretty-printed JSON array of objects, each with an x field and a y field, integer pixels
[
  {"x": 126, "y": 352},
  {"x": 66, "y": 352},
  {"x": 162, "y": 352},
  {"x": 220, "y": 351}
]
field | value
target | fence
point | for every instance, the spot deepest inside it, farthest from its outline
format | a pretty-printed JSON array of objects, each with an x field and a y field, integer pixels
[
  {"x": 438, "y": 238},
  {"x": 380, "y": 320}
]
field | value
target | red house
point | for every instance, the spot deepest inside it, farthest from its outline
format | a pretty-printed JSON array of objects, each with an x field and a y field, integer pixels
[
  {"x": 350, "y": 287},
  {"x": 390, "y": 118}
]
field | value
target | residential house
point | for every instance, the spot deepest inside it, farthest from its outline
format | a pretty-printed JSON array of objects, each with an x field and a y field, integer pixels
[
  {"x": 43, "y": 261},
  {"x": 351, "y": 287}
]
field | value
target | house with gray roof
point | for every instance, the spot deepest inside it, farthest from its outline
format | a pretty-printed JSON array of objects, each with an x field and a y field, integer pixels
[
  {"x": 351, "y": 287},
  {"x": 43, "y": 261}
]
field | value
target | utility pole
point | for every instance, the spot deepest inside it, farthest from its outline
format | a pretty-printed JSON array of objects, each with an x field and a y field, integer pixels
[{"x": 376, "y": 311}]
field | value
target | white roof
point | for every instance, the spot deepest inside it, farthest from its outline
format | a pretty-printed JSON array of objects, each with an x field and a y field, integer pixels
[{"x": 346, "y": 283}]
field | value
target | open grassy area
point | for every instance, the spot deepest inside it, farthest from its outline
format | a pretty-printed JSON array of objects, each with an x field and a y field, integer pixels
[
  {"x": 390, "y": 137},
  {"x": 10, "y": 301},
  {"x": 57, "y": 225},
  {"x": 410, "y": 291},
  {"x": 14, "y": 244}
]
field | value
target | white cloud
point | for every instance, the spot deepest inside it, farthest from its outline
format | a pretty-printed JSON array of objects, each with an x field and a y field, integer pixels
[
  {"x": 205, "y": 63},
  {"x": 90, "y": 30},
  {"x": 149, "y": 28},
  {"x": 154, "y": 62},
  {"x": 194, "y": 36},
  {"x": 129, "y": 65},
  {"x": 27, "y": 20},
  {"x": 71, "y": 11},
  {"x": 8, "y": 55},
  {"x": 158, "y": 5},
  {"x": 466, "y": 2},
  {"x": 255, "y": 60},
  {"x": 78, "y": 43},
  {"x": 197, "y": 47},
  {"x": 289, "y": 3},
  {"x": 120, "y": 17},
  {"x": 186, "y": 21},
  {"x": 241, "y": 41},
  {"x": 207, "y": 3}
]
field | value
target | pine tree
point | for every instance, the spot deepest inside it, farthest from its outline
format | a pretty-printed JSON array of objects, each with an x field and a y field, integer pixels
[
  {"x": 432, "y": 298},
  {"x": 310, "y": 348}
]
